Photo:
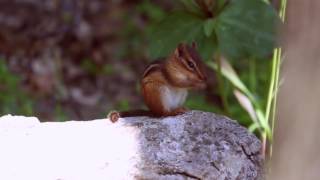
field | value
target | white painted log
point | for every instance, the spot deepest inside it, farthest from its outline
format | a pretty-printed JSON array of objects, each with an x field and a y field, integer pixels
[{"x": 195, "y": 145}]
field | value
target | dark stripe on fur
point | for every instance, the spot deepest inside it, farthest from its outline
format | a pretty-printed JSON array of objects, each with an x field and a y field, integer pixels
[{"x": 154, "y": 66}]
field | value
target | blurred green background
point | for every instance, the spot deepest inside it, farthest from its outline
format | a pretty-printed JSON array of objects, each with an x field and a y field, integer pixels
[{"x": 77, "y": 59}]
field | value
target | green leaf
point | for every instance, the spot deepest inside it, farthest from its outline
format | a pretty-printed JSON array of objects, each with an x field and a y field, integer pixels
[
  {"x": 191, "y": 6},
  {"x": 173, "y": 29},
  {"x": 12, "y": 99},
  {"x": 179, "y": 27},
  {"x": 247, "y": 27},
  {"x": 229, "y": 73},
  {"x": 209, "y": 27},
  {"x": 206, "y": 46},
  {"x": 246, "y": 104},
  {"x": 151, "y": 10},
  {"x": 123, "y": 105},
  {"x": 196, "y": 101},
  {"x": 253, "y": 127}
]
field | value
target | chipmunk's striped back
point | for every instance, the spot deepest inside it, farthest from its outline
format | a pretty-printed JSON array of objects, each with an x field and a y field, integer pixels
[{"x": 154, "y": 66}]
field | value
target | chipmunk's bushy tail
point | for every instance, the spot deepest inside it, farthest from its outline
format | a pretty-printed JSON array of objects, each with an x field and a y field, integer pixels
[{"x": 115, "y": 115}]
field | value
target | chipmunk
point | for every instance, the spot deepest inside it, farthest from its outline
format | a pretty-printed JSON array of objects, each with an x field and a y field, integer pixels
[{"x": 165, "y": 83}]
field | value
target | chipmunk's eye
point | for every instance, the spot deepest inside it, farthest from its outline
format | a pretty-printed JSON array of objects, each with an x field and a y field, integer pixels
[{"x": 190, "y": 64}]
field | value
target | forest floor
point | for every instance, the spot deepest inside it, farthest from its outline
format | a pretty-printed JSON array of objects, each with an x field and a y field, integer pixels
[
  {"x": 74, "y": 55},
  {"x": 75, "y": 59}
]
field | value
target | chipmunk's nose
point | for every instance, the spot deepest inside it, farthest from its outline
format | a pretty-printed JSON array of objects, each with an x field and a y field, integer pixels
[
  {"x": 203, "y": 77},
  {"x": 201, "y": 85}
]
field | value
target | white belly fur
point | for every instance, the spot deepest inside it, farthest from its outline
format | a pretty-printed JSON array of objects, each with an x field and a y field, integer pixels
[{"x": 173, "y": 97}]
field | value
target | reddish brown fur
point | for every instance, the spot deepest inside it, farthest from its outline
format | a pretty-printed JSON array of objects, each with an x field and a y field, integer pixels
[
  {"x": 151, "y": 92},
  {"x": 177, "y": 64},
  {"x": 173, "y": 72}
]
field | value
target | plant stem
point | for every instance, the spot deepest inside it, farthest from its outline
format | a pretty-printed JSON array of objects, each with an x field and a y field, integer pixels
[
  {"x": 221, "y": 84},
  {"x": 252, "y": 70},
  {"x": 272, "y": 98},
  {"x": 274, "y": 104},
  {"x": 272, "y": 84},
  {"x": 264, "y": 144}
]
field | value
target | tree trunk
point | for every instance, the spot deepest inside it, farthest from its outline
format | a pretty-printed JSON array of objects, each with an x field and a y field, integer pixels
[{"x": 297, "y": 144}]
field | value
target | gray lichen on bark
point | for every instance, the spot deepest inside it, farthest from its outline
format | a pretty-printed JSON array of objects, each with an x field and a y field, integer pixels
[{"x": 196, "y": 145}]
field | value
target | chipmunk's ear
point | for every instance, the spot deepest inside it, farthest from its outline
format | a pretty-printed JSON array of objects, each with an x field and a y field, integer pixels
[
  {"x": 179, "y": 50},
  {"x": 194, "y": 45}
]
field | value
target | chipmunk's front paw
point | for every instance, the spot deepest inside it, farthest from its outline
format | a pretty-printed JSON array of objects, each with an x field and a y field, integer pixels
[
  {"x": 114, "y": 116},
  {"x": 180, "y": 110}
]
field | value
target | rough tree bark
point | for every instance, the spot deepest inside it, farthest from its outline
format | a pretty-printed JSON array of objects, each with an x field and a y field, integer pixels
[
  {"x": 196, "y": 145},
  {"x": 297, "y": 142}
]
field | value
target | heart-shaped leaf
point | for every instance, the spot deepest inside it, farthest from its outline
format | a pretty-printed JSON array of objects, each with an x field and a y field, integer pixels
[
  {"x": 247, "y": 27},
  {"x": 209, "y": 27},
  {"x": 179, "y": 27},
  {"x": 191, "y": 6}
]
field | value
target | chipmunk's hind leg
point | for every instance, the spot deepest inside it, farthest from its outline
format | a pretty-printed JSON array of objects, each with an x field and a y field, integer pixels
[{"x": 151, "y": 92}]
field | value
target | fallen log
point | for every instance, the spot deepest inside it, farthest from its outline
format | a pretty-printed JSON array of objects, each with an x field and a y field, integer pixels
[{"x": 195, "y": 145}]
